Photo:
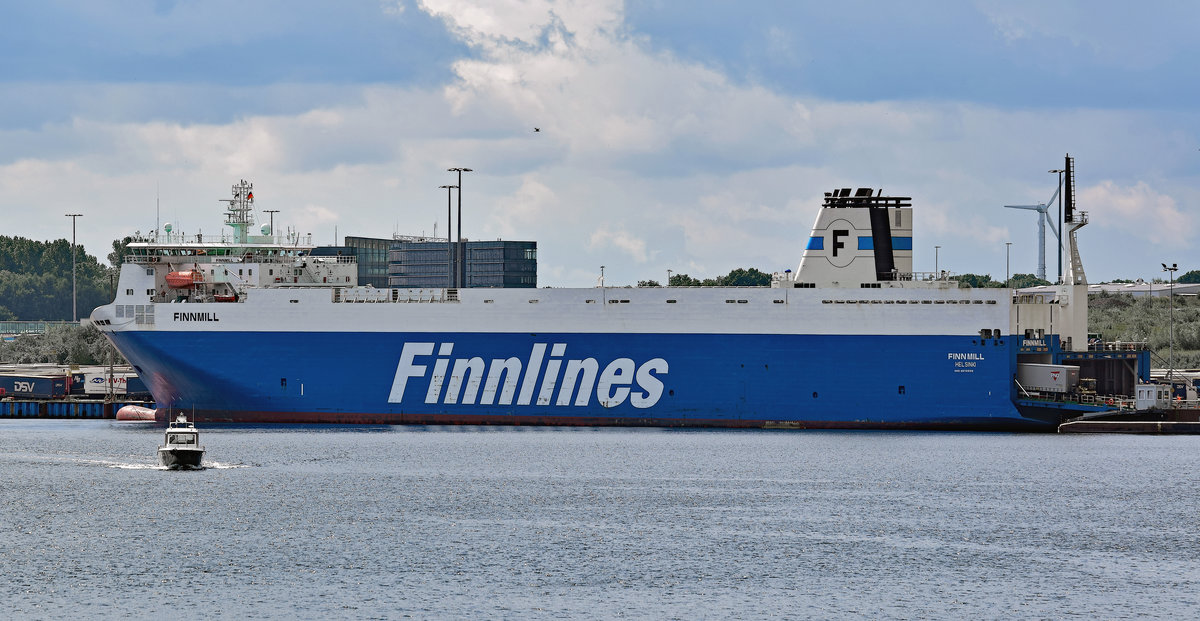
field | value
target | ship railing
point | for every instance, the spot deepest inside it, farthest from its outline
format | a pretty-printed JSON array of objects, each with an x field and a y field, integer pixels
[
  {"x": 1118, "y": 345},
  {"x": 223, "y": 258},
  {"x": 1120, "y": 402},
  {"x": 354, "y": 295},
  {"x": 334, "y": 258}
]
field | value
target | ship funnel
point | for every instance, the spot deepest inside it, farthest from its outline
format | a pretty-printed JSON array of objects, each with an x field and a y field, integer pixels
[{"x": 858, "y": 238}]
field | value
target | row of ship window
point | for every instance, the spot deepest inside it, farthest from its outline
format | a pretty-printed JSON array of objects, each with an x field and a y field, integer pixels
[
  {"x": 778, "y": 301},
  {"x": 908, "y": 301}
]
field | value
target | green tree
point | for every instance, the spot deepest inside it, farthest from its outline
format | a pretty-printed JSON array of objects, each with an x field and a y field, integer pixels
[
  {"x": 1020, "y": 281},
  {"x": 683, "y": 280},
  {"x": 739, "y": 277},
  {"x": 648, "y": 283},
  {"x": 1190, "y": 278},
  {"x": 35, "y": 279},
  {"x": 120, "y": 250},
  {"x": 977, "y": 281},
  {"x": 744, "y": 278},
  {"x": 61, "y": 344}
]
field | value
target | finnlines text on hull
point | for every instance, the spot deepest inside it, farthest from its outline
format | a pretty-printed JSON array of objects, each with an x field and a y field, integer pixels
[{"x": 620, "y": 380}]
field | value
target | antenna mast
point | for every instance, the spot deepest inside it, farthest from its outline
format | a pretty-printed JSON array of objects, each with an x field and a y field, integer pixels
[{"x": 240, "y": 213}]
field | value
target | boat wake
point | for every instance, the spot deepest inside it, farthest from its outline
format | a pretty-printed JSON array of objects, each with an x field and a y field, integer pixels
[{"x": 208, "y": 466}]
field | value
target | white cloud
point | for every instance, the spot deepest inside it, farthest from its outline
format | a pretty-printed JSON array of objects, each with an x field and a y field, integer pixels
[
  {"x": 623, "y": 240},
  {"x": 532, "y": 203},
  {"x": 644, "y": 162},
  {"x": 1155, "y": 218}
]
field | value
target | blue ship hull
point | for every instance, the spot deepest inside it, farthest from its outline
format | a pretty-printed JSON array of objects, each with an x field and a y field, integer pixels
[{"x": 723, "y": 380}]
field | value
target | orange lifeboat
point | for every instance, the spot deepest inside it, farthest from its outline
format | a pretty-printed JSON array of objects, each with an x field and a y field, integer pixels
[{"x": 184, "y": 280}]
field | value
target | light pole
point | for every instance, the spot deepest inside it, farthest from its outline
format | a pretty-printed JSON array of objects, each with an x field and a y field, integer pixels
[
  {"x": 1171, "y": 270},
  {"x": 936, "y": 273},
  {"x": 1007, "y": 248},
  {"x": 1060, "y": 222},
  {"x": 272, "y": 224},
  {"x": 668, "y": 278},
  {"x": 449, "y": 243},
  {"x": 74, "y": 311},
  {"x": 460, "y": 272}
]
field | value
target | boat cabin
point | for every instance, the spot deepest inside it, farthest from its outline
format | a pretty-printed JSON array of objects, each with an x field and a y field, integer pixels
[{"x": 182, "y": 438}]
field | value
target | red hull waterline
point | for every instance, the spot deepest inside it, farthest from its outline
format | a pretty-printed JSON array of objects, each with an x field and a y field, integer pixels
[{"x": 509, "y": 420}]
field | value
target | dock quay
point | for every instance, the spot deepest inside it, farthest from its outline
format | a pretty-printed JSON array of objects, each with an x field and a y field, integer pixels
[
  {"x": 1173, "y": 421},
  {"x": 60, "y": 408}
]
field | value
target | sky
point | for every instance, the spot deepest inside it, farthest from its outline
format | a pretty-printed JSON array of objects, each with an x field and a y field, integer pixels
[{"x": 693, "y": 136}]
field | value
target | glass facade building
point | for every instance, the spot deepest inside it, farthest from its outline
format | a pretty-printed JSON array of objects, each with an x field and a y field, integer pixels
[
  {"x": 424, "y": 264},
  {"x": 372, "y": 256}
]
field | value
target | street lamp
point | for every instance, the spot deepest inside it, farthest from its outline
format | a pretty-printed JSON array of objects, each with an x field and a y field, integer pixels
[
  {"x": 936, "y": 273},
  {"x": 74, "y": 307},
  {"x": 449, "y": 244},
  {"x": 668, "y": 278},
  {"x": 1060, "y": 222},
  {"x": 1171, "y": 270},
  {"x": 1007, "y": 248},
  {"x": 460, "y": 273}
]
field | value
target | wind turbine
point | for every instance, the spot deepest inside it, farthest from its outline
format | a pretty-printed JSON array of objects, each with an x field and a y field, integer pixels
[{"x": 1041, "y": 209}]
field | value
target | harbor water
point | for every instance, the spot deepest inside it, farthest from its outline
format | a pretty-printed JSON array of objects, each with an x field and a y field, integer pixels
[{"x": 477, "y": 522}]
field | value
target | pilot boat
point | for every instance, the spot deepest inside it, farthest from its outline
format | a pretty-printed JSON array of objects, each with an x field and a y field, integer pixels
[{"x": 181, "y": 445}]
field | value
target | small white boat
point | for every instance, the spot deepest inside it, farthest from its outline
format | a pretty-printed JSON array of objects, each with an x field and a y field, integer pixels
[{"x": 181, "y": 446}]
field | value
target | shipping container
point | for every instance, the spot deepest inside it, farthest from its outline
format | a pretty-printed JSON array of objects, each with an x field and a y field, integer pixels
[
  {"x": 1056, "y": 378},
  {"x": 33, "y": 386},
  {"x": 96, "y": 383}
]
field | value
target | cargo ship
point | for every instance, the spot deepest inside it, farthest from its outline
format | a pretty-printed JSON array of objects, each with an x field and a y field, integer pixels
[{"x": 255, "y": 327}]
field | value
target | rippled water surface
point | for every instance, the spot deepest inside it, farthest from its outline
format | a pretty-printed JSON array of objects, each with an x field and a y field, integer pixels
[{"x": 471, "y": 522}]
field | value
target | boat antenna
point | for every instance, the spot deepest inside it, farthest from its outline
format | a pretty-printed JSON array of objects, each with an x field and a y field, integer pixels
[{"x": 157, "y": 209}]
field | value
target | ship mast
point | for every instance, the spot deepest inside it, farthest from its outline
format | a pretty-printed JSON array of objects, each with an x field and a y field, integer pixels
[{"x": 240, "y": 213}]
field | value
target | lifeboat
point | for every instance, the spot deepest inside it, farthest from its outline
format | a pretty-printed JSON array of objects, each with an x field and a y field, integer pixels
[{"x": 184, "y": 280}]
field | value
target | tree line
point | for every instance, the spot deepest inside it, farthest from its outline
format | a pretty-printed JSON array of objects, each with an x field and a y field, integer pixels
[
  {"x": 35, "y": 279},
  {"x": 739, "y": 277},
  {"x": 61, "y": 344}
]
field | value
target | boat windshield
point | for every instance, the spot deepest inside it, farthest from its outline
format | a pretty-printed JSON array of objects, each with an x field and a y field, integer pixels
[{"x": 181, "y": 438}]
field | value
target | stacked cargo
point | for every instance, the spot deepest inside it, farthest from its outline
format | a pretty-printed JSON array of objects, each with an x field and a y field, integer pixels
[{"x": 40, "y": 381}]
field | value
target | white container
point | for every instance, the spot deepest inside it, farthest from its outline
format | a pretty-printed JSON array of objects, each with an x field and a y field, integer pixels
[{"x": 1059, "y": 378}]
